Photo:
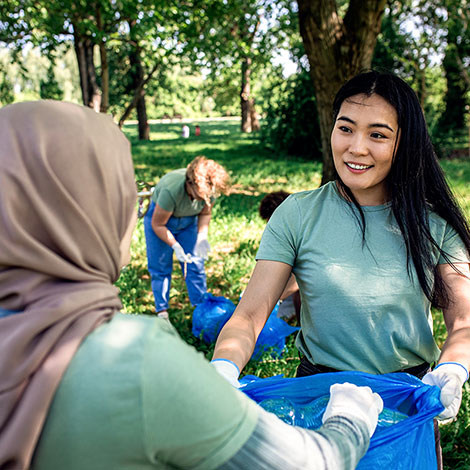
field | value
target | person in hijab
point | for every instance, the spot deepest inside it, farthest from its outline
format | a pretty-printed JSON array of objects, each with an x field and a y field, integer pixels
[{"x": 83, "y": 385}]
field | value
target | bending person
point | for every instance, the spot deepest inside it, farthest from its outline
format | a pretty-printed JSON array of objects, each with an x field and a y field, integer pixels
[
  {"x": 178, "y": 221},
  {"x": 371, "y": 252},
  {"x": 85, "y": 386}
]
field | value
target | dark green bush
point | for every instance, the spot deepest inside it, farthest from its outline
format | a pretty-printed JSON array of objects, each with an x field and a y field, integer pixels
[{"x": 291, "y": 125}]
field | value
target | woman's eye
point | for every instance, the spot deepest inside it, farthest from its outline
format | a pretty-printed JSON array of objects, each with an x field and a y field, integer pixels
[
  {"x": 378, "y": 135},
  {"x": 344, "y": 129}
]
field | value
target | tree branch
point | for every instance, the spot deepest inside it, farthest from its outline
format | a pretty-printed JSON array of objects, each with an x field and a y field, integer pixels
[{"x": 137, "y": 95}]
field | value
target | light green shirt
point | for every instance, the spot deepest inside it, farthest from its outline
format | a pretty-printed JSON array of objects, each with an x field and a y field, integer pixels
[
  {"x": 129, "y": 400},
  {"x": 170, "y": 194},
  {"x": 360, "y": 309}
]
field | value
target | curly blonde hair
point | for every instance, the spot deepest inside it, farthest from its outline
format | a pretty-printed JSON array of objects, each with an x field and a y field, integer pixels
[{"x": 210, "y": 178}]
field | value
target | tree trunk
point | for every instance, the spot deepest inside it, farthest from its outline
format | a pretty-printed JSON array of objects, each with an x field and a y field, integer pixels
[
  {"x": 144, "y": 128},
  {"x": 254, "y": 117},
  {"x": 137, "y": 96},
  {"x": 336, "y": 49},
  {"x": 104, "y": 66},
  {"x": 104, "y": 79},
  {"x": 246, "y": 125},
  {"x": 95, "y": 101},
  {"x": 137, "y": 80},
  {"x": 138, "y": 85},
  {"x": 82, "y": 69},
  {"x": 90, "y": 91}
]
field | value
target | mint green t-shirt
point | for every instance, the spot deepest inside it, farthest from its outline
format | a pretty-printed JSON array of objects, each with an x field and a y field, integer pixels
[
  {"x": 360, "y": 309},
  {"x": 136, "y": 397},
  {"x": 171, "y": 195}
]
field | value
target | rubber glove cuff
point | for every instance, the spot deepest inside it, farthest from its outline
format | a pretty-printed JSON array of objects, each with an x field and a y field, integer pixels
[
  {"x": 228, "y": 370},
  {"x": 357, "y": 402},
  {"x": 449, "y": 377}
]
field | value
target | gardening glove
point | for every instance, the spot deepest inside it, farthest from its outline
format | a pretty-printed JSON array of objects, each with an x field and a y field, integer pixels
[
  {"x": 449, "y": 377},
  {"x": 181, "y": 256},
  {"x": 228, "y": 370},
  {"x": 358, "y": 402},
  {"x": 202, "y": 246}
]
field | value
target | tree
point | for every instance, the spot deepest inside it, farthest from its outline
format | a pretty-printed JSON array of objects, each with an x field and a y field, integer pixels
[
  {"x": 47, "y": 24},
  {"x": 455, "y": 63},
  {"x": 337, "y": 48},
  {"x": 50, "y": 88},
  {"x": 151, "y": 36},
  {"x": 234, "y": 36}
]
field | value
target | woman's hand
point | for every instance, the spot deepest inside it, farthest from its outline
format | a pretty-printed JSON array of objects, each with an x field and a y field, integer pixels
[
  {"x": 228, "y": 370},
  {"x": 181, "y": 256},
  {"x": 202, "y": 246},
  {"x": 347, "y": 399},
  {"x": 449, "y": 377}
]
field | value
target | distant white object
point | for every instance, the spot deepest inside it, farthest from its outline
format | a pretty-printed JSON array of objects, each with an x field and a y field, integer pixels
[{"x": 185, "y": 132}]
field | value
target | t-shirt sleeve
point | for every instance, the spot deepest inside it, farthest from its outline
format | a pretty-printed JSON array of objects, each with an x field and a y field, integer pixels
[
  {"x": 453, "y": 247},
  {"x": 166, "y": 200},
  {"x": 193, "y": 418},
  {"x": 279, "y": 240}
]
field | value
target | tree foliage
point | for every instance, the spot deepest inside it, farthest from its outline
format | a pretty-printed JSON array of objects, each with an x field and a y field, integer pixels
[
  {"x": 49, "y": 87},
  {"x": 291, "y": 122}
]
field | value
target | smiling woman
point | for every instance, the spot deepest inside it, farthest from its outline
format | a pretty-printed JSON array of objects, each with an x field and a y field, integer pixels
[{"x": 371, "y": 252}]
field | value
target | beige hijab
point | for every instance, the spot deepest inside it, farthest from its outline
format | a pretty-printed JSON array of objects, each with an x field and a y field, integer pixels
[{"x": 67, "y": 193}]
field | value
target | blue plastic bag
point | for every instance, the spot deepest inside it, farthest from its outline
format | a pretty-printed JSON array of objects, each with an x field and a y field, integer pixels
[
  {"x": 406, "y": 445},
  {"x": 273, "y": 335},
  {"x": 210, "y": 316},
  {"x": 213, "y": 312}
]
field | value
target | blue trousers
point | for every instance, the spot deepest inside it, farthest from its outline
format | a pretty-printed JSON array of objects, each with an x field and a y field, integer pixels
[{"x": 160, "y": 259}]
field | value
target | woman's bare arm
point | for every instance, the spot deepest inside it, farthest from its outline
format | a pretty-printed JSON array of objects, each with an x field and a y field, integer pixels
[{"x": 457, "y": 315}]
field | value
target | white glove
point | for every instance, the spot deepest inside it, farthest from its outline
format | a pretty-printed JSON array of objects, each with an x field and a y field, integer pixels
[
  {"x": 358, "y": 402},
  {"x": 228, "y": 370},
  {"x": 449, "y": 377},
  {"x": 181, "y": 256},
  {"x": 202, "y": 246}
]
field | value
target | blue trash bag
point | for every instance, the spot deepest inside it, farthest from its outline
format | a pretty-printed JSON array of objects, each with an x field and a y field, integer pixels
[
  {"x": 210, "y": 316},
  {"x": 405, "y": 442},
  {"x": 213, "y": 312},
  {"x": 273, "y": 335}
]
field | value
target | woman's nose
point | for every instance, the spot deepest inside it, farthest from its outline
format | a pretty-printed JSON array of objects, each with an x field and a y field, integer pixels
[{"x": 358, "y": 145}]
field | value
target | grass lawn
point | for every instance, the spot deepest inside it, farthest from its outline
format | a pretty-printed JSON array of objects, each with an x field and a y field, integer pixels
[{"x": 236, "y": 230}]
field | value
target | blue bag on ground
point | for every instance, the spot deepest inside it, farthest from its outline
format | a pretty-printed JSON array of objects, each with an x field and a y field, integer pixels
[
  {"x": 213, "y": 312},
  {"x": 404, "y": 438},
  {"x": 210, "y": 316},
  {"x": 273, "y": 335}
]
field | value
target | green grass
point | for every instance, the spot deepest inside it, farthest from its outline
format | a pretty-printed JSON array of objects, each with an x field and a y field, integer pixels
[{"x": 235, "y": 232}]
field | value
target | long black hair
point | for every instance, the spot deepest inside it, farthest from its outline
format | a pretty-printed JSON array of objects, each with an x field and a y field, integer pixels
[{"x": 416, "y": 182}]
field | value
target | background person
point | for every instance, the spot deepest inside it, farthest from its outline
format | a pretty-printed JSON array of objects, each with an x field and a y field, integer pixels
[
  {"x": 290, "y": 298},
  {"x": 178, "y": 221},
  {"x": 371, "y": 252},
  {"x": 185, "y": 131},
  {"x": 84, "y": 386}
]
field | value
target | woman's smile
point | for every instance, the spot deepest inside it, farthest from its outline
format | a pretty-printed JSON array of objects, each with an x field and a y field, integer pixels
[{"x": 357, "y": 167}]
